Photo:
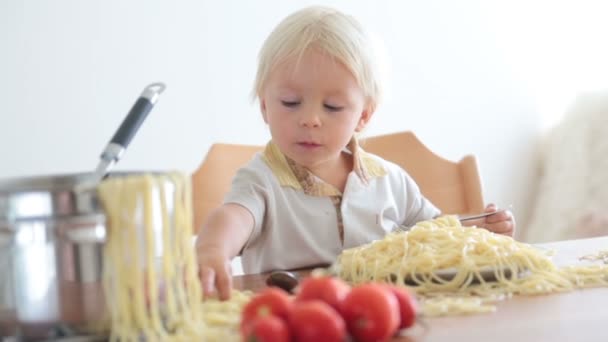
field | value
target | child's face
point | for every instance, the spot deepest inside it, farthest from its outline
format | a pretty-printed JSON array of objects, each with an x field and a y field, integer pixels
[{"x": 313, "y": 109}]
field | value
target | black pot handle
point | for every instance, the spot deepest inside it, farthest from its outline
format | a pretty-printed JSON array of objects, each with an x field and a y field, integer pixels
[{"x": 125, "y": 133}]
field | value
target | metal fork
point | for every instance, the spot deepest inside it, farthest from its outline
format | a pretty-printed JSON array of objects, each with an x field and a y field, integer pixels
[
  {"x": 478, "y": 216},
  {"x": 463, "y": 218}
]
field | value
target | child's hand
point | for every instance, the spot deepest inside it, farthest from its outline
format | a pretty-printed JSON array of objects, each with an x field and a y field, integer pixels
[
  {"x": 214, "y": 271},
  {"x": 500, "y": 223}
]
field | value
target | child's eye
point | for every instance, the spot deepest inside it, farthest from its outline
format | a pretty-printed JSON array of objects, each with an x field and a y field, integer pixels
[
  {"x": 290, "y": 104},
  {"x": 333, "y": 108}
]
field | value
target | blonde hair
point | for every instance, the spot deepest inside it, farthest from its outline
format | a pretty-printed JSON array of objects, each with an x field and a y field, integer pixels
[{"x": 330, "y": 31}]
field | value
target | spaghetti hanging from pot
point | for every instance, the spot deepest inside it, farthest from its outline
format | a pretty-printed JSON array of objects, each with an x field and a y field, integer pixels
[{"x": 150, "y": 273}]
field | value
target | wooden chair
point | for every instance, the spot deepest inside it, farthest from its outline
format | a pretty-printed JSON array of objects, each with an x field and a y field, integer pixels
[
  {"x": 211, "y": 181},
  {"x": 454, "y": 187}
]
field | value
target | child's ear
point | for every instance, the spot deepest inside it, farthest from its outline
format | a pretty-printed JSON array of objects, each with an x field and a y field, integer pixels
[
  {"x": 263, "y": 109},
  {"x": 366, "y": 115}
]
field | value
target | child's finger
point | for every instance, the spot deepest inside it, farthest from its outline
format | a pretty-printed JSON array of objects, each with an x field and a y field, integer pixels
[
  {"x": 207, "y": 276},
  {"x": 505, "y": 228},
  {"x": 499, "y": 217},
  {"x": 224, "y": 285}
]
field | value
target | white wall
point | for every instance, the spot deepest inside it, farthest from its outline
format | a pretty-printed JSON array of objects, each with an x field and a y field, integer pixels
[{"x": 71, "y": 69}]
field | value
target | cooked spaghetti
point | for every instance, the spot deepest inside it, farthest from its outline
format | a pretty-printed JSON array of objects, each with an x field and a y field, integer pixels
[
  {"x": 455, "y": 269},
  {"x": 150, "y": 274}
]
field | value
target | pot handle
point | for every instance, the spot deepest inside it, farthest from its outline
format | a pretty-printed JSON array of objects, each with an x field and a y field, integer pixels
[
  {"x": 134, "y": 119},
  {"x": 121, "y": 139},
  {"x": 95, "y": 234},
  {"x": 77, "y": 230},
  {"x": 83, "y": 229}
]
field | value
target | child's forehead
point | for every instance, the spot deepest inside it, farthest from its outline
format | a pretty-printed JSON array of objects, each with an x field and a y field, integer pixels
[
  {"x": 311, "y": 66},
  {"x": 307, "y": 57}
]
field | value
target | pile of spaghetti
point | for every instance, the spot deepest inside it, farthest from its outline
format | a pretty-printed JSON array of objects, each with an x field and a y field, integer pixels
[
  {"x": 150, "y": 273},
  {"x": 456, "y": 270}
]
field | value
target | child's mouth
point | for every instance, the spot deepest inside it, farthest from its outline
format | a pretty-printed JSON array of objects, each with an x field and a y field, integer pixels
[{"x": 308, "y": 145}]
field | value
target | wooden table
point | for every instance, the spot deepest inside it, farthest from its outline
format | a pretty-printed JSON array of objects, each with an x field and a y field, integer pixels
[{"x": 581, "y": 315}]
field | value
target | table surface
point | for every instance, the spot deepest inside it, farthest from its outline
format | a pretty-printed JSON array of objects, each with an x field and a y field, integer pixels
[{"x": 580, "y": 315}]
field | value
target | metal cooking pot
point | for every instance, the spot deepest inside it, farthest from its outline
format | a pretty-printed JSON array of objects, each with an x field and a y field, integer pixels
[
  {"x": 52, "y": 231},
  {"x": 51, "y": 240}
]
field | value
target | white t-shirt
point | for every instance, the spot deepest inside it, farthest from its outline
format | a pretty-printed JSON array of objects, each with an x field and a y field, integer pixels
[{"x": 298, "y": 222}]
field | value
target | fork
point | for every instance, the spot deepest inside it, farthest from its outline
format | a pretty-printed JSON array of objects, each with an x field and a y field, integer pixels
[
  {"x": 463, "y": 218},
  {"x": 478, "y": 216}
]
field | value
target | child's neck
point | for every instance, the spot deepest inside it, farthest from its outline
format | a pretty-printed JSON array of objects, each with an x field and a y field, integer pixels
[{"x": 336, "y": 173}]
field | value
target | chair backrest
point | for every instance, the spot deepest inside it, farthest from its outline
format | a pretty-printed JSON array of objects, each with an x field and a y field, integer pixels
[
  {"x": 454, "y": 187},
  {"x": 211, "y": 181}
]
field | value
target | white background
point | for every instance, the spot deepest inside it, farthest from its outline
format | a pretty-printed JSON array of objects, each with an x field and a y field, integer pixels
[{"x": 482, "y": 77}]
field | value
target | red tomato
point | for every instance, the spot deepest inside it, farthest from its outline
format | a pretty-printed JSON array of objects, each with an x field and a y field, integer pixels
[
  {"x": 314, "y": 321},
  {"x": 270, "y": 302},
  {"x": 327, "y": 289},
  {"x": 267, "y": 329},
  {"x": 371, "y": 313},
  {"x": 408, "y": 308}
]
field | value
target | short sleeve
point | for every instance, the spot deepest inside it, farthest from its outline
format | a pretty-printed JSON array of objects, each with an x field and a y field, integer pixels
[
  {"x": 417, "y": 207},
  {"x": 248, "y": 190}
]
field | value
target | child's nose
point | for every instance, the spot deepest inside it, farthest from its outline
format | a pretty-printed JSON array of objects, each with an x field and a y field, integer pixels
[{"x": 310, "y": 119}]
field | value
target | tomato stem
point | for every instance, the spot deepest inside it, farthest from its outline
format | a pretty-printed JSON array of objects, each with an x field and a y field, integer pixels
[
  {"x": 362, "y": 323},
  {"x": 264, "y": 311}
]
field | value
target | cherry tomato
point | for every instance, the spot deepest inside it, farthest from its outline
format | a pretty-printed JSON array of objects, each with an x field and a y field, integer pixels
[
  {"x": 267, "y": 329},
  {"x": 270, "y": 302},
  {"x": 327, "y": 289},
  {"x": 371, "y": 313},
  {"x": 408, "y": 307},
  {"x": 314, "y": 321}
]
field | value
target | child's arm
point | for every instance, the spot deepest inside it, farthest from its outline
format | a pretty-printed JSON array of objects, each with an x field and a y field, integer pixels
[{"x": 219, "y": 240}]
